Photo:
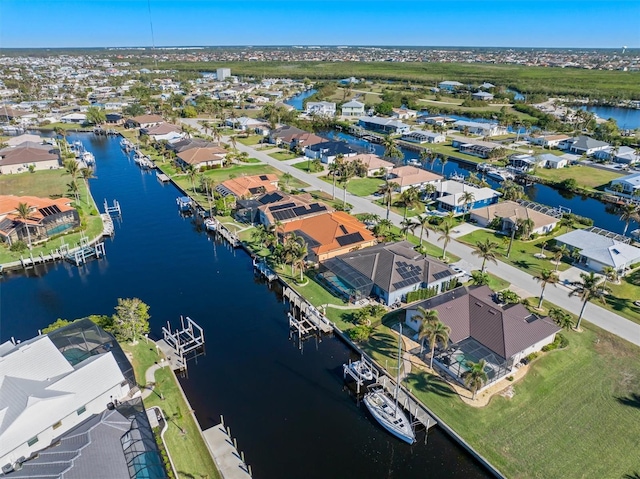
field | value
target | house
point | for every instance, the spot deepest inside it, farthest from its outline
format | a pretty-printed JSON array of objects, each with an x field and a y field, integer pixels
[
  {"x": 479, "y": 128},
  {"x": 385, "y": 271},
  {"x": 424, "y": 137},
  {"x": 630, "y": 185},
  {"x": 353, "y": 109},
  {"x": 289, "y": 208},
  {"x": 183, "y": 144},
  {"x": 327, "y": 151},
  {"x": 623, "y": 154},
  {"x": 320, "y": 108},
  {"x": 384, "y": 125},
  {"x": 18, "y": 159},
  {"x": 486, "y": 86},
  {"x": 114, "y": 118},
  {"x": 482, "y": 329},
  {"x": 410, "y": 176},
  {"x": 9, "y": 114},
  {"x": 244, "y": 123},
  {"x": 482, "y": 95},
  {"x": 403, "y": 113},
  {"x": 143, "y": 121},
  {"x": 248, "y": 186},
  {"x": 450, "y": 194},
  {"x": 201, "y": 158},
  {"x": 598, "y": 251},
  {"x": 375, "y": 165},
  {"x": 330, "y": 234},
  {"x": 78, "y": 118},
  {"x": 584, "y": 145},
  {"x": 24, "y": 138},
  {"x": 163, "y": 132},
  {"x": 223, "y": 73},
  {"x": 509, "y": 212},
  {"x": 548, "y": 141},
  {"x": 53, "y": 383},
  {"x": 47, "y": 217},
  {"x": 553, "y": 162},
  {"x": 449, "y": 85},
  {"x": 524, "y": 162},
  {"x": 479, "y": 149}
]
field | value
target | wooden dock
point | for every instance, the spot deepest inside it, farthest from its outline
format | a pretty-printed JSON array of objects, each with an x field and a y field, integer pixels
[
  {"x": 224, "y": 450},
  {"x": 162, "y": 178}
]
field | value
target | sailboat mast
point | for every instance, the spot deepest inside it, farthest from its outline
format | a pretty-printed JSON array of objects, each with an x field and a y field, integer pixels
[{"x": 398, "y": 372}]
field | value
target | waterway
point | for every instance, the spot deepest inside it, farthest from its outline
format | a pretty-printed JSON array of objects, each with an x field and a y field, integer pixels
[
  {"x": 626, "y": 118},
  {"x": 297, "y": 100},
  {"x": 604, "y": 215},
  {"x": 286, "y": 407}
]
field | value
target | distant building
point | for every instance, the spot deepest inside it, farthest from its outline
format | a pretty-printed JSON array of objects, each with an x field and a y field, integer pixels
[
  {"x": 78, "y": 118},
  {"x": 630, "y": 185},
  {"x": 327, "y": 151},
  {"x": 353, "y": 109},
  {"x": 480, "y": 128},
  {"x": 18, "y": 159},
  {"x": 248, "y": 186},
  {"x": 403, "y": 114},
  {"x": 548, "y": 141},
  {"x": 450, "y": 193},
  {"x": 449, "y": 85},
  {"x": 374, "y": 164},
  {"x": 410, "y": 176},
  {"x": 584, "y": 145},
  {"x": 143, "y": 121},
  {"x": 223, "y": 73},
  {"x": 320, "y": 108},
  {"x": 202, "y": 157},
  {"x": 163, "y": 131},
  {"x": 509, "y": 212},
  {"x": 482, "y": 95},
  {"x": 424, "y": 137},
  {"x": 384, "y": 125}
]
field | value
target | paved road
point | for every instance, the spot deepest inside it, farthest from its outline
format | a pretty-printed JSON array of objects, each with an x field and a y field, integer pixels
[{"x": 559, "y": 295}]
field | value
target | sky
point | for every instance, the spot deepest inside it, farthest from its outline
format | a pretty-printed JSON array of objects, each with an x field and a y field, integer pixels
[{"x": 498, "y": 23}]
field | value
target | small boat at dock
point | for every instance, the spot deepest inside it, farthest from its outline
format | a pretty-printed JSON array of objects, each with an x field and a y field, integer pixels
[{"x": 362, "y": 369}]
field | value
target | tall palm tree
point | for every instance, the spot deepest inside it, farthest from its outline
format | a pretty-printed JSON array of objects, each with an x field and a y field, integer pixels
[
  {"x": 425, "y": 317},
  {"x": 24, "y": 211},
  {"x": 525, "y": 227},
  {"x": 565, "y": 222},
  {"x": 334, "y": 170},
  {"x": 72, "y": 187},
  {"x": 436, "y": 332},
  {"x": 72, "y": 168},
  {"x": 299, "y": 260},
  {"x": 443, "y": 162},
  {"x": 487, "y": 251},
  {"x": 410, "y": 198},
  {"x": 391, "y": 149},
  {"x": 423, "y": 222},
  {"x": 446, "y": 231},
  {"x": 629, "y": 214},
  {"x": 560, "y": 253},
  {"x": 475, "y": 377},
  {"x": 588, "y": 287},
  {"x": 87, "y": 174},
  {"x": 610, "y": 273},
  {"x": 386, "y": 190},
  {"x": 466, "y": 198},
  {"x": 192, "y": 173},
  {"x": 383, "y": 229},
  {"x": 346, "y": 173},
  {"x": 407, "y": 226},
  {"x": 545, "y": 277},
  {"x": 234, "y": 142}
]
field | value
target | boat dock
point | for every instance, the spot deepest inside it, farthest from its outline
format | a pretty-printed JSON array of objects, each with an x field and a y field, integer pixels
[
  {"x": 307, "y": 311},
  {"x": 264, "y": 270},
  {"x": 409, "y": 403},
  {"x": 84, "y": 253},
  {"x": 224, "y": 450},
  {"x": 162, "y": 178}
]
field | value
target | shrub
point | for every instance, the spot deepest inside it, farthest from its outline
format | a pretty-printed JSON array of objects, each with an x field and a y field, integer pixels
[
  {"x": 19, "y": 246},
  {"x": 360, "y": 333},
  {"x": 424, "y": 293},
  {"x": 532, "y": 356},
  {"x": 509, "y": 378}
]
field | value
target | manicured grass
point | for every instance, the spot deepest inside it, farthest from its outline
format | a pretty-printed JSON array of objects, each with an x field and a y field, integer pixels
[
  {"x": 249, "y": 160},
  {"x": 310, "y": 289},
  {"x": 496, "y": 283},
  {"x": 522, "y": 252},
  {"x": 622, "y": 296},
  {"x": 305, "y": 165},
  {"x": 189, "y": 452},
  {"x": 40, "y": 183},
  {"x": 588, "y": 177},
  {"x": 363, "y": 186},
  {"x": 283, "y": 155},
  {"x": 64, "y": 126},
  {"x": 251, "y": 140}
]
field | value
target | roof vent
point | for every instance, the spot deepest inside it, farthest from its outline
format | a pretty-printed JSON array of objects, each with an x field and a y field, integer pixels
[{"x": 493, "y": 311}]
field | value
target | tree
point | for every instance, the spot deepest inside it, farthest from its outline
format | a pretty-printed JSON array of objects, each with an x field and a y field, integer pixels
[
  {"x": 436, "y": 332},
  {"x": 610, "y": 273},
  {"x": 383, "y": 229},
  {"x": 72, "y": 168},
  {"x": 96, "y": 116},
  {"x": 443, "y": 162},
  {"x": 525, "y": 227},
  {"x": 423, "y": 222},
  {"x": 561, "y": 318},
  {"x": 295, "y": 249},
  {"x": 57, "y": 324},
  {"x": 287, "y": 177},
  {"x": 545, "y": 277},
  {"x": 386, "y": 190},
  {"x": 425, "y": 317},
  {"x": 24, "y": 211},
  {"x": 346, "y": 173},
  {"x": 466, "y": 198},
  {"x": 475, "y": 377},
  {"x": 334, "y": 170},
  {"x": 446, "y": 231},
  {"x": 479, "y": 278},
  {"x": 487, "y": 251},
  {"x": 391, "y": 149},
  {"x": 588, "y": 287},
  {"x": 560, "y": 253},
  {"x": 629, "y": 213},
  {"x": 407, "y": 226},
  {"x": 566, "y": 222},
  {"x": 87, "y": 174},
  {"x": 410, "y": 198},
  {"x": 131, "y": 319},
  {"x": 72, "y": 187}
]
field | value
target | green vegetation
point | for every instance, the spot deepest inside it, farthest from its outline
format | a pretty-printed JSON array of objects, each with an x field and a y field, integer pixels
[
  {"x": 250, "y": 140},
  {"x": 361, "y": 186},
  {"x": 622, "y": 296},
  {"x": 496, "y": 283},
  {"x": 283, "y": 155},
  {"x": 586, "y": 177}
]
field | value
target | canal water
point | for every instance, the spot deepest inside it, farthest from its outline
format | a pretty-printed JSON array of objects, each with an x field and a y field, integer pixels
[
  {"x": 296, "y": 100},
  {"x": 626, "y": 118},
  {"x": 604, "y": 215},
  {"x": 287, "y": 408}
]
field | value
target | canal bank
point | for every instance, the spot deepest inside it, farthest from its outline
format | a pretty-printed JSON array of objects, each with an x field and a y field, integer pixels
[{"x": 286, "y": 406}]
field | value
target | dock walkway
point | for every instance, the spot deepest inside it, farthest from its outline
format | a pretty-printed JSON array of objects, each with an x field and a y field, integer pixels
[
  {"x": 409, "y": 403},
  {"x": 225, "y": 453}
]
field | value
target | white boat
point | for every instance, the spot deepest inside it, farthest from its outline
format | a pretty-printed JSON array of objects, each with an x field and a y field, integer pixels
[
  {"x": 210, "y": 224},
  {"x": 386, "y": 409},
  {"x": 362, "y": 369}
]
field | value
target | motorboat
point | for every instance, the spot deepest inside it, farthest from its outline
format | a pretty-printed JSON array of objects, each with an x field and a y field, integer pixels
[
  {"x": 210, "y": 224},
  {"x": 362, "y": 369}
]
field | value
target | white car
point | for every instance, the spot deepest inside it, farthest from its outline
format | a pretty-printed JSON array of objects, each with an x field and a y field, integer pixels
[{"x": 459, "y": 271}]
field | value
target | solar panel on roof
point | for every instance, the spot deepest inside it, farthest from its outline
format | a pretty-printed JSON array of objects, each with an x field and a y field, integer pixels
[
  {"x": 316, "y": 207},
  {"x": 343, "y": 229},
  {"x": 283, "y": 215},
  {"x": 264, "y": 177},
  {"x": 300, "y": 211},
  {"x": 281, "y": 207},
  {"x": 442, "y": 274},
  {"x": 349, "y": 239}
]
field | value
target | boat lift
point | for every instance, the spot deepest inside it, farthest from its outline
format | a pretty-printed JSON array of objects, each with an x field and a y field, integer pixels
[
  {"x": 347, "y": 370},
  {"x": 182, "y": 344}
]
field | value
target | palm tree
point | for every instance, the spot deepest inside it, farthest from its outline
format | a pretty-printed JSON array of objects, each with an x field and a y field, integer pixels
[
  {"x": 87, "y": 174},
  {"x": 478, "y": 278},
  {"x": 487, "y": 251},
  {"x": 386, "y": 190},
  {"x": 475, "y": 377},
  {"x": 234, "y": 142},
  {"x": 410, "y": 198},
  {"x": 191, "y": 174},
  {"x": 287, "y": 177},
  {"x": 560, "y": 253},
  {"x": 561, "y": 318},
  {"x": 407, "y": 226},
  {"x": 425, "y": 317},
  {"x": 443, "y": 162},
  {"x": 391, "y": 150},
  {"x": 72, "y": 168},
  {"x": 334, "y": 169},
  {"x": 423, "y": 222},
  {"x": 299, "y": 259},
  {"x": 23, "y": 211},
  {"x": 346, "y": 173},
  {"x": 525, "y": 226},
  {"x": 610, "y": 273},
  {"x": 629, "y": 213},
  {"x": 589, "y": 287},
  {"x": 72, "y": 187},
  {"x": 565, "y": 222},
  {"x": 446, "y": 230},
  {"x": 545, "y": 277},
  {"x": 466, "y": 198},
  {"x": 436, "y": 332},
  {"x": 383, "y": 228}
]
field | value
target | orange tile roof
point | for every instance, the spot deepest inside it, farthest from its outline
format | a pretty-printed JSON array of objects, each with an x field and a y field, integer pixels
[
  {"x": 327, "y": 229},
  {"x": 9, "y": 205},
  {"x": 243, "y": 185},
  {"x": 371, "y": 161},
  {"x": 410, "y": 175}
]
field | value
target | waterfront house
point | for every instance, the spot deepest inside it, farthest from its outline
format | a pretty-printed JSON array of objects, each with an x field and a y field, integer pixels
[
  {"x": 480, "y": 328},
  {"x": 486, "y": 86},
  {"x": 449, "y": 195},
  {"x": 245, "y": 123},
  {"x": 449, "y": 85},
  {"x": 509, "y": 212},
  {"x": 143, "y": 121},
  {"x": 327, "y": 151},
  {"x": 53, "y": 383},
  {"x": 375, "y": 165},
  {"x": 553, "y": 162},
  {"x": 482, "y": 95},
  {"x": 78, "y": 118},
  {"x": 598, "y": 251},
  {"x": 278, "y": 207},
  {"x": 630, "y": 185},
  {"x": 476, "y": 148},
  {"x": 623, "y": 155},
  {"x": 352, "y": 109},
  {"x": 182, "y": 144},
  {"x": 584, "y": 145},
  {"x": 293, "y": 138},
  {"x": 385, "y": 271},
  {"x": 47, "y": 217},
  {"x": 321, "y": 108},
  {"x": 24, "y": 138},
  {"x": 410, "y": 176},
  {"x": 248, "y": 186},
  {"x": 330, "y": 234},
  {"x": 114, "y": 119},
  {"x": 403, "y": 113},
  {"x": 424, "y": 137},
  {"x": 37, "y": 156},
  {"x": 523, "y": 162},
  {"x": 384, "y": 125},
  {"x": 479, "y": 128},
  {"x": 548, "y": 141},
  {"x": 202, "y": 158},
  {"x": 163, "y": 132}
]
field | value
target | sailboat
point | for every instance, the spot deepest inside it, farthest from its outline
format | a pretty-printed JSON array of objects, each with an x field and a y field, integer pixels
[{"x": 386, "y": 410}]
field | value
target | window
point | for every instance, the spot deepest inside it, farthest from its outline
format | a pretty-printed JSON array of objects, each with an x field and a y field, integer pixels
[
  {"x": 57, "y": 425},
  {"x": 32, "y": 441},
  {"x": 82, "y": 410}
]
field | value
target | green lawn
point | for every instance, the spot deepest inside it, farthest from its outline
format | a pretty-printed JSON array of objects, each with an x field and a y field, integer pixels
[
  {"x": 283, "y": 155},
  {"x": 363, "y": 186},
  {"x": 40, "y": 183},
  {"x": 586, "y": 176},
  {"x": 622, "y": 296},
  {"x": 571, "y": 404},
  {"x": 304, "y": 166},
  {"x": 189, "y": 452},
  {"x": 251, "y": 140}
]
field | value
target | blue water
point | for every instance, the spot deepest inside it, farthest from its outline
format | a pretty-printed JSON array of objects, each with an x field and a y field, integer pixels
[
  {"x": 287, "y": 408},
  {"x": 626, "y": 118},
  {"x": 510, "y": 128},
  {"x": 517, "y": 95},
  {"x": 296, "y": 101}
]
